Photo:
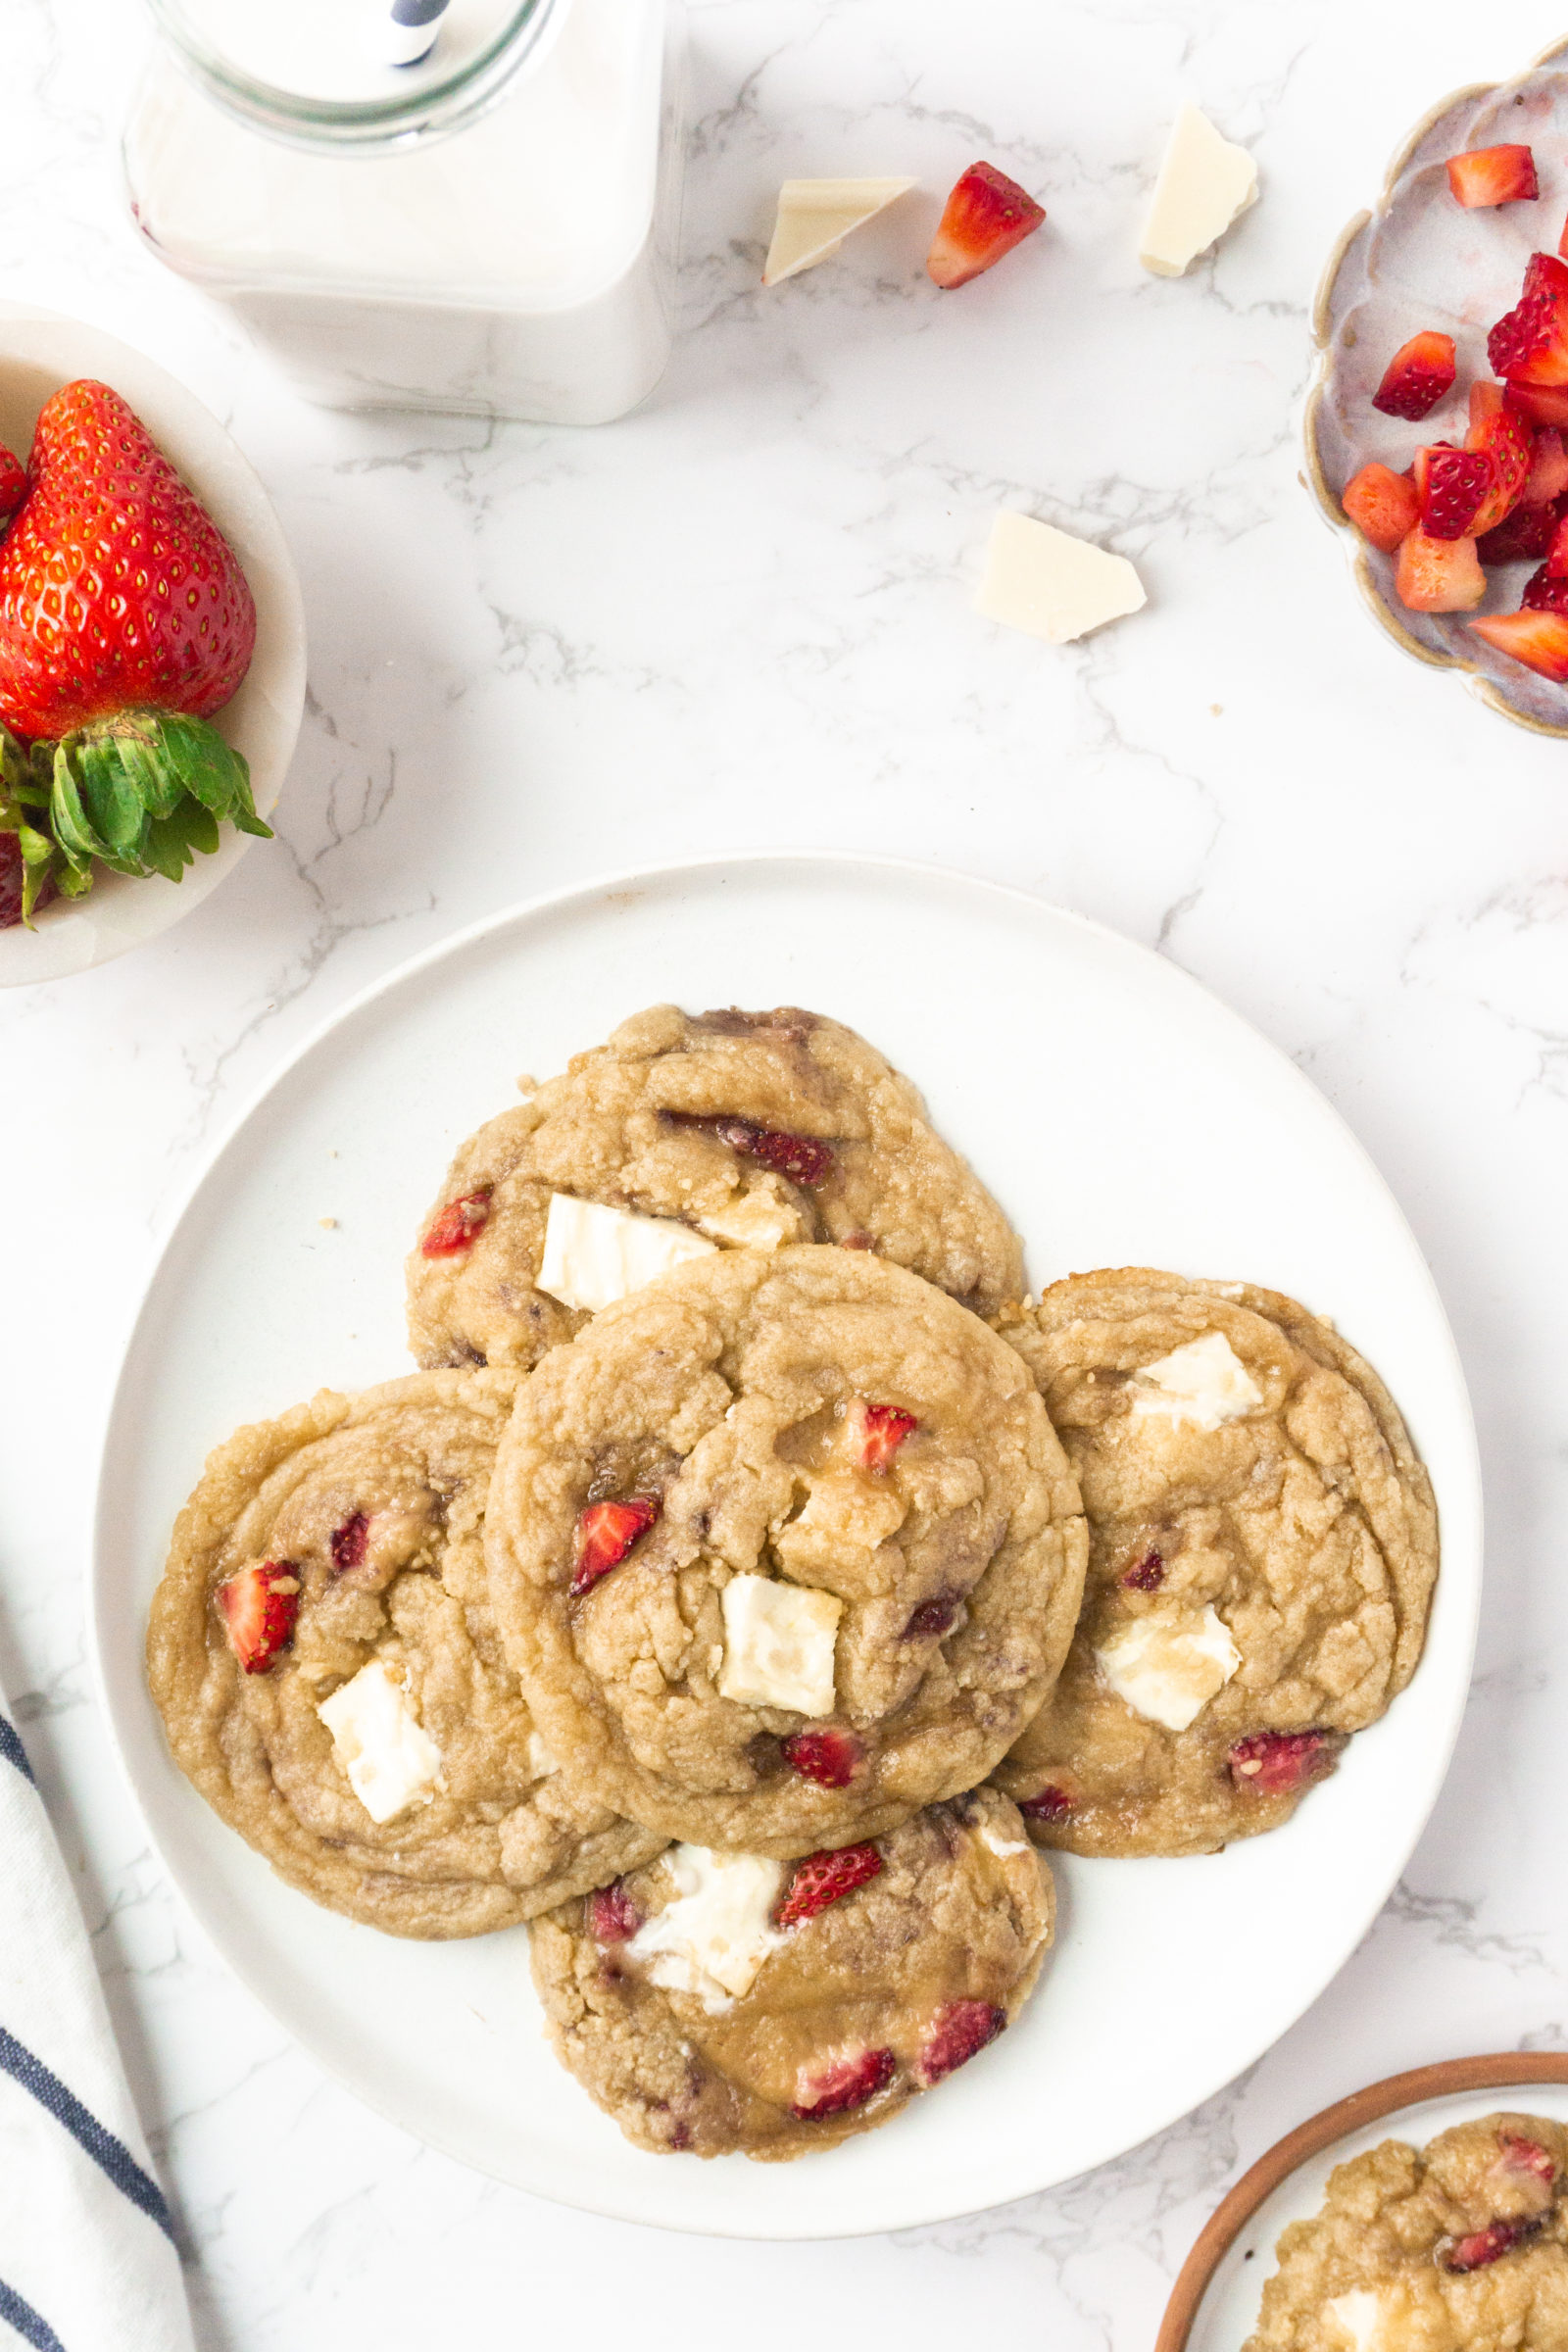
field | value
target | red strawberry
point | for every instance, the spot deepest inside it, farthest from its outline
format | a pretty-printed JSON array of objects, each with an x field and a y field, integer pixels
[
  {"x": 456, "y": 1227},
  {"x": 349, "y": 1543},
  {"x": 605, "y": 1532},
  {"x": 1417, "y": 376},
  {"x": 1148, "y": 1575},
  {"x": 1382, "y": 505},
  {"x": 1540, "y": 404},
  {"x": 986, "y": 216},
  {"x": 260, "y": 1606},
  {"x": 1501, "y": 434},
  {"x": 1540, "y": 640},
  {"x": 1454, "y": 485},
  {"x": 1530, "y": 344},
  {"x": 612, "y": 1917},
  {"x": 13, "y": 484},
  {"x": 1557, "y": 552},
  {"x": 1494, "y": 175},
  {"x": 845, "y": 2083},
  {"x": 1545, "y": 591},
  {"x": 1547, "y": 478},
  {"x": 933, "y": 1616},
  {"x": 1439, "y": 575},
  {"x": 1524, "y": 537},
  {"x": 803, "y": 1158},
  {"x": 1277, "y": 1763},
  {"x": 825, "y": 1755},
  {"x": 1481, "y": 2246},
  {"x": 822, "y": 1878},
  {"x": 1050, "y": 1803},
  {"x": 876, "y": 1433},
  {"x": 1516, "y": 2154},
  {"x": 958, "y": 2032}
]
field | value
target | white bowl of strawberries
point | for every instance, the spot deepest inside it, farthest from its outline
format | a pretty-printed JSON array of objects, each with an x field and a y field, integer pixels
[
  {"x": 152, "y": 649},
  {"x": 1438, "y": 429}
]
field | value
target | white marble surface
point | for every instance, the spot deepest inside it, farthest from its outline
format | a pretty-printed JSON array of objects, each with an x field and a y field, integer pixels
[{"x": 742, "y": 618}]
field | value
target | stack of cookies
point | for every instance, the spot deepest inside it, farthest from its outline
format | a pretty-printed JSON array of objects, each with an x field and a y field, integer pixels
[{"x": 753, "y": 1579}]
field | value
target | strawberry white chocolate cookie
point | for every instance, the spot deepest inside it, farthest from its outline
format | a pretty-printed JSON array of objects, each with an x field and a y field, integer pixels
[
  {"x": 322, "y": 1652},
  {"x": 682, "y": 1136},
  {"x": 781, "y": 1549},
  {"x": 1456, "y": 2246},
  {"x": 1262, "y": 1549},
  {"x": 714, "y": 2002}
]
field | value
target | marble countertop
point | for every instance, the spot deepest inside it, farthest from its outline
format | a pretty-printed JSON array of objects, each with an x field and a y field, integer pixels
[{"x": 742, "y": 618}]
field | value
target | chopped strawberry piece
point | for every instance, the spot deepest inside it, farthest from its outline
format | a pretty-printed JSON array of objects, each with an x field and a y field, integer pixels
[
  {"x": 933, "y": 1616},
  {"x": 958, "y": 2032},
  {"x": 349, "y": 1543},
  {"x": 1494, "y": 175},
  {"x": 1547, "y": 478},
  {"x": 827, "y": 1755},
  {"x": 1540, "y": 404},
  {"x": 604, "y": 1535},
  {"x": 259, "y": 1605},
  {"x": 1146, "y": 1575},
  {"x": 1530, "y": 344},
  {"x": 1557, "y": 552},
  {"x": 1050, "y": 1803},
  {"x": 1524, "y": 537},
  {"x": 13, "y": 484},
  {"x": 1439, "y": 575},
  {"x": 825, "y": 1878},
  {"x": 1452, "y": 486},
  {"x": 1382, "y": 505},
  {"x": 1481, "y": 2246},
  {"x": 1545, "y": 591},
  {"x": 847, "y": 2082},
  {"x": 612, "y": 1916},
  {"x": 1501, "y": 434},
  {"x": 1416, "y": 378},
  {"x": 1540, "y": 640},
  {"x": 458, "y": 1226},
  {"x": 876, "y": 1433},
  {"x": 1516, "y": 2154},
  {"x": 986, "y": 216},
  {"x": 1278, "y": 1763}
]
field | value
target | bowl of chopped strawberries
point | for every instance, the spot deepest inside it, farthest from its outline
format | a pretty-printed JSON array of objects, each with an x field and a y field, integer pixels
[
  {"x": 1437, "y": 431},
  {"x": 152, "y": 649}
]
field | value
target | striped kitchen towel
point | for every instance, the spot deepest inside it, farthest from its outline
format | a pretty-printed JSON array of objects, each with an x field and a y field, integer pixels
[{"x": 87, "y": 2259}]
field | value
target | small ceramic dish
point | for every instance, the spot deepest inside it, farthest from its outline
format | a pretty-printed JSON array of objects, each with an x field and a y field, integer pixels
[
  {"x": 38, "y": 353},
  {"x": 1215, "y": 2303},
  {"x": 1420, "y": 260}
]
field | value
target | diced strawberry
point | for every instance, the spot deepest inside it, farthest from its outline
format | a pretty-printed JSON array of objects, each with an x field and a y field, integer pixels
[
  {"x": 1547, "y": 478},
  {"x": 825, "y": 1878},
  {"x": 259, "y": 1605},
  {"x": 349, "y": 1543},
  {"x": 612, "y": 1916},
  {"x": 803, "y": 1158},
  {"x": 933, "y": 1616},
  {"x": 1417, "y": 376},
  {"x": 1439, "y": 575},
  {"x": 1557, "y": 552},
  {"x": 1501, "y": 434},
  {"x": 13, "y": 484},
  {"x": 1516, "y": 2154},
  {"x": 1146, "y": 1575},
  {"x": 827, "y": 1755},
  {"x": 958, "y": 2032},
  {"x": 1452, "y": 485},
  {"x": 1050, "y": 1803},
  {"x": 1530, "y": 344},
  {"x": 876, "y": 1431},
  {"x": 1481, "y": 2246},
  {"x": 1524, "y": 537},
  {"x": 1277, "y": 1763},
  {"x": 604, "y": 1535},
  {"x": 1382, "y": 505},
  {"x": 1540, "y": 404},
  {"x": 986, "y": 216},
  {"x": 1540, "y": 640},
  {"x": 458, "y": 1226},
  {"x": 1494, "y": 175},
  {"x": 1545, "y": 591},
  {"x": 845, "y": 2083}
]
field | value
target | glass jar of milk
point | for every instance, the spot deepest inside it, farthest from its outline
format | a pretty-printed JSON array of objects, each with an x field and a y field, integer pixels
[{"x": 489, "y": 228}]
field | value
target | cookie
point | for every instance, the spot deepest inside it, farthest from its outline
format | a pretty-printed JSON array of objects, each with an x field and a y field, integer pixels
[
  {"x": 322, "y": 1652},
  {"x": 1463, "y": 2244},
  {"x": 682, "y": 1136},
  {"x": 1263, "y": 1544},
  {"x": 714, "y": 2002},
  {"x": 782, "y": 1547}
]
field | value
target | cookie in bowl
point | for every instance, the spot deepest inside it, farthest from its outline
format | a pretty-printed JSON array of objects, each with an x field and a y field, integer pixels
[
  {"x": 322, "y": 1654},
  {"x": 1263, "y": 1546},
  {"x": 722, "y": 2002}
]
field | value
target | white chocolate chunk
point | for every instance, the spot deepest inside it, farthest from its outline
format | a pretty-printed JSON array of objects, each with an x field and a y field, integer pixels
[
  {"x": 779, "y": 1641},
  {"x": 1050, "y": 585},
  {"x": 1204, "y": 184},
  {"x": 816, "y": 216},
  {"x": 1168, "y": 1663},
  {"x": 1387, "y": 2320},
  {"x": 756, "y": 1220},
  {"x": 387, "y": 1756},
  {"x": 714, "y": 1937},
  {"x": 594, "y": 1255},
  {"x": 542, "y": 1760},
  {"x": 1204, "y": 1383},
  {"x": 1001, "y": 1846}
]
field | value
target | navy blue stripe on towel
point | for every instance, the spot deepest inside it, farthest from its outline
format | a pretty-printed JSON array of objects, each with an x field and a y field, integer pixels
[
  {"x": 12, "y": 1749},
  {"x": 110, "y": 2154},
  {"x": 27, "y": 2324}
]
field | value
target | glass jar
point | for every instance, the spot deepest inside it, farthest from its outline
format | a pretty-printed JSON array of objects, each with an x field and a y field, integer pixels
[{"x": 490, "y": 230}]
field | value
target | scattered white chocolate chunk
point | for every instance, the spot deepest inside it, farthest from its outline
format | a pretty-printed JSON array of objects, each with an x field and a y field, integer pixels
[
  {"x": 1050, "y": 585},
  {"x": 1204, "y": 184},
  {"x": 756, "y": 1220},
  {"x": 1168, "y": 1663},
  {"x": 714, "y": 1937},
  {"x": 542, "y": 1760},
  {"x": 816, "y": 216},
  {"x": 779, "y": 1641},
  {"x": 1001, "y": 1846},
  {"x": 386, "y": 1754},
  {"x": 1204, "y": 1383},
  {"x": 1380, "y": 2319},
  {"x": 594, "y": 1255}
]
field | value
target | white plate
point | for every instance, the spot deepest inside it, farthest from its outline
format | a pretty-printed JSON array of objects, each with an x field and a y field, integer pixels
[{"x": 1121, "y": 1115}]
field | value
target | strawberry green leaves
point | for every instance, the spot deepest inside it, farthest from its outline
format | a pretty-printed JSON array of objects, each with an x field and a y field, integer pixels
[
  {"x": 24, "y": 801},
  {"x": 144, "y": 792}
]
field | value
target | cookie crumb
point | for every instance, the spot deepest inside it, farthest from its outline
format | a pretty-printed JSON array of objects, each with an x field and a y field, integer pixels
[{"x": 327, "y": 1224}]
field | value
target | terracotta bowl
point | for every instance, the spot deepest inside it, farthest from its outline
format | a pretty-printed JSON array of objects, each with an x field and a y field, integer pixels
[{"x": 1214, "y": 2305}]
